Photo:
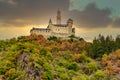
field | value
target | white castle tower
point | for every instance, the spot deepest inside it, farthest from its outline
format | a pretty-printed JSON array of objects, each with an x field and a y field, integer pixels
[{"x": 58, "y": 17}]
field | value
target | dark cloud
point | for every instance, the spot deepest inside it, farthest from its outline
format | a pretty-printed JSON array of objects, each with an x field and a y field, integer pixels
[
  {"x": 92, "y": 17},
  {"x": 31, "y": 11},
  {"x": 34, "y": 6},
  {"x": 24, "y": 12}
]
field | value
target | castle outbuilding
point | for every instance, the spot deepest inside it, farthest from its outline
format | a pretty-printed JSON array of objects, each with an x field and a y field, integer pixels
[{"x": 58, "y": 30}]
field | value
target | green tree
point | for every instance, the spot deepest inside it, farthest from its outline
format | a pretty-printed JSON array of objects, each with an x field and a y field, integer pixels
[
  {"x": 72, "y": 38},
  {"x": 54, "y": 38},
  {"x": 117, "y": 42},
  {"x": 73, "y": 66}
]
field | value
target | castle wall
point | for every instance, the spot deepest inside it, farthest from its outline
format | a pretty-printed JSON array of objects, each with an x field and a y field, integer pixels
[
  {"x": 45, "y": 33},
  {"x": 61, "y": 35},
  {"x": 58, "y": 29}
]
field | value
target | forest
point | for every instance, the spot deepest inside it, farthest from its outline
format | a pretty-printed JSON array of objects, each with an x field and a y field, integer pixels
[{"x": 36, "y": 58}]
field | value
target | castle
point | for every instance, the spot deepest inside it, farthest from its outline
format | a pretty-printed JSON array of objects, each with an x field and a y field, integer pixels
[{"x": 59, "y": 30}]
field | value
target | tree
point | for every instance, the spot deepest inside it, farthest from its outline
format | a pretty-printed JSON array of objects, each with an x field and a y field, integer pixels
[
  {"x": 102, "y": 45},
  {"x": 104, "y": 60},
  {"x": 54, "y": 38},
  {"x": 73, "y": 66},
  {"x": 117, "y": 42},
  {"x": 72, "y": 38}
]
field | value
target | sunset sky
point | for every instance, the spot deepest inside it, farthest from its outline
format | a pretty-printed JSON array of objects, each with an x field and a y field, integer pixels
[{"x": 91, "y": 17}]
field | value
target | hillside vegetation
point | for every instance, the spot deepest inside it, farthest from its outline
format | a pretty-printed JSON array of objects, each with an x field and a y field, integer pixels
[{"x": 35, "y": 58}]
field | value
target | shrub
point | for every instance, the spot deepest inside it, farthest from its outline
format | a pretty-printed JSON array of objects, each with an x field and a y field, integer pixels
[
  {"x": 63, "y": 62},
  {"x": 11, "y": 74},
  {"x": 54, "y": 38},
  {"x": 80, "y": 77},
  {"x": 114, "y": 79},
  {"x": 90, "y": 68},
  {"x": 76, "y": 57},
  {"x": 61, "y": 69},
  {"x": 99, "y": 75},
  {"x": 64, "y": 76},
  {"x": 1, "y": 70},
  {"x": 84, "y": 58},
  {"x": 47, "y": 76},
  {"x": 104, "y": 60},
  {"x": 47, "y": 72},
  {"x": 73, "y": 66},
  {"x": 118, "y": 63},
  {"x": 118, "y": 53},
  {"x": 93, "y": 66},
  {"x": 67, "y": 55}
]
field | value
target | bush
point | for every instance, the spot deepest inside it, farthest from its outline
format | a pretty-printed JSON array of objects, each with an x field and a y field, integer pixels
[
  {"x": 114, "y": 79},
  {"x": 73, "y": 66},
  {"x": 99, "y": 75},
  {"x": 118, "y": 63},
  {"x": 93, "y": 66},
  {"x": 11, "y": 74},
  {"x": 47, "y": 72},
  {"x": 64, "y": 76},
  {"x": 84, "y": 58},
  {"x": 61, "y": 69},
  {"x": 80, "y": 77},
  {"x": 47, "y": 76},
  {"x": 54, "y": 38},
  {"x": 1, "y": 70},
  {"x": 63, "y": 62},
  {"x": 104, "y": 60},
  {"x": 90, "y": 68}
]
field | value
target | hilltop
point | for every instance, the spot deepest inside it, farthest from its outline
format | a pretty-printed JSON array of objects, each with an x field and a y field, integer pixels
[{"x": 37, "y": 58}]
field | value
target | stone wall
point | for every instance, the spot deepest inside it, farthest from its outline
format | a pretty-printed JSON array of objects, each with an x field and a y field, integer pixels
[
  {"x": 45, "y": 33},
  {"x": 58, "y": 29}
]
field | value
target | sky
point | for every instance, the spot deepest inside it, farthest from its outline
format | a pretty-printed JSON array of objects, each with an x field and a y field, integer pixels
[{"x": 91, "y": 17}]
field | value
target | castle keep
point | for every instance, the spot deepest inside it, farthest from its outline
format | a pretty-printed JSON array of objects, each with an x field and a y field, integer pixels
[{"x": 58, "y": 30}]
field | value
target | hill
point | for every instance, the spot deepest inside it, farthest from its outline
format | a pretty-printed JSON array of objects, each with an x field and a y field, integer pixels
[{"x": 35, "y": 58}]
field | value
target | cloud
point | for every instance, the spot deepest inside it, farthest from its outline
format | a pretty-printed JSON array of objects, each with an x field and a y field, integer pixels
[
  {"x": 116, "y": 23},
  {"x": 1, "y": 0},
  {"x": 31, "y": 11},
  {"x": 12, "y": 2},
  {"x": 13, "y": 23},
  {"x": 71, "y": 1},
  {"x": 38, "y": 12},
  {"x": 113, "y": 5},
  {"x": 93, "y": 17}
]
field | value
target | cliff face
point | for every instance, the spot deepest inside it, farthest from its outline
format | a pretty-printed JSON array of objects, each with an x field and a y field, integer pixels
[{"x": 29, "y": 67}]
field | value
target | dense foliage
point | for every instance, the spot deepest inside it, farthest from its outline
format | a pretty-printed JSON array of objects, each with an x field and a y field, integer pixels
[
  {"x": 35, "y": 58},
  {"x": 104, "y": 45}
]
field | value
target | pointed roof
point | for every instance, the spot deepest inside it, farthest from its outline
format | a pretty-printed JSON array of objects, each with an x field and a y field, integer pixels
[
  {"x": 58, "y": 11},
  {"x": 50, "y": 21}
]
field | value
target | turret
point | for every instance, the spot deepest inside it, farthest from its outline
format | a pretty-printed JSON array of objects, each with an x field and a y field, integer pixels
[
  {"x": 69, "y": 22},
  {"x": 50, "y": 22},
  {"x": 58, "y": 17}
]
